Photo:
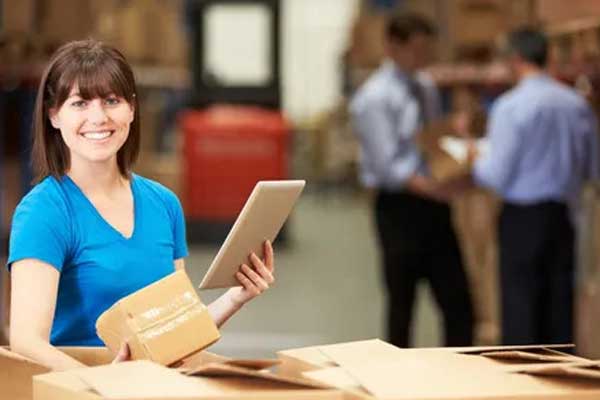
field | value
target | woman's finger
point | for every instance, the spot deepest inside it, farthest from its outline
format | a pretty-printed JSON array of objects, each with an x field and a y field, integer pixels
[
  {"x": 247, "y": 284},
  {"x": 123, "y": 354},
  {"x": 262, "y": 269},
  {"x": 255, "y": 278},
  {"x": 269, "y": 256}
]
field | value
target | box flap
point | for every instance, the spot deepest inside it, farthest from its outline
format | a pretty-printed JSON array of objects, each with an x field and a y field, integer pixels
[
  {"x": 583, "y": 369},
  {"x": 435, "y": 375},
  {"x": 308, "y": 355},
  {"x": 336, "y": 377},
  {"x": 357, "y": 352},
  {"x": 63, "y": 379},
  {"x": 255, "y": 364},
  {"x": 483, "y": 349},
  {"x": 90, "y": 356},
  {"x": 225, "y": 370},
  {"x": 140, "y": 380},
  {"x": 527, "y": 356},
  {"x": 204, "y": 357},
  {"x": 197, "y": 359},
  {"x": 314, "y": 355},
  {"x": 7, "y": 354}
]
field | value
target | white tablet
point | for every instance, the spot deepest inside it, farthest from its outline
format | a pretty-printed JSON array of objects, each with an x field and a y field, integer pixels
[{"x": 262, "y": 217}]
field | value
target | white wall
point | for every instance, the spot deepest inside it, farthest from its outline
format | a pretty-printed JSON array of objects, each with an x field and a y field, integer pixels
[{"x": 314, "y": 36}]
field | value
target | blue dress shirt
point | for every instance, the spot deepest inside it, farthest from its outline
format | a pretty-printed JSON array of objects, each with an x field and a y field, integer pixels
[
  {"x": 386, "y": 117},
  {"x": 543, "y": 144}
]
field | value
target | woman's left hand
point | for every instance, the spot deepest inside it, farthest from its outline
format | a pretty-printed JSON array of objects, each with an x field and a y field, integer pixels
[{"x": 254, "y": 280}]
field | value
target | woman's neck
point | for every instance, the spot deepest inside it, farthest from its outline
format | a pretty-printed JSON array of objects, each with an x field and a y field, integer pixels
[{"x": 96, "y": 178}]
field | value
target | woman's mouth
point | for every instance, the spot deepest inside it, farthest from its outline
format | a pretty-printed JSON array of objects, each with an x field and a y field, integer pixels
[{"x": 98, "y": 135}]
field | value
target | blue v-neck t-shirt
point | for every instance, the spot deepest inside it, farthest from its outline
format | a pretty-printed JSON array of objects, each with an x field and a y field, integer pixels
[{"x": 57, "y": 224}]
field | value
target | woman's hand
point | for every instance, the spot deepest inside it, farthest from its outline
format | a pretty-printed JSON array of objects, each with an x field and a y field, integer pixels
[
  {"x": 254, "y": 280},
  {"x": 123, "y": 354}
]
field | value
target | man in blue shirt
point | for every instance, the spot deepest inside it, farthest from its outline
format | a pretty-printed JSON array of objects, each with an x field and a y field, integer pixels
[
  {"x": 413, "y": 223},
  {"x": 543, "y": 147}
]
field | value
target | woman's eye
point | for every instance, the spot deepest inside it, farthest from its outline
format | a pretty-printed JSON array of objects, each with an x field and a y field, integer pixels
[
  {"x": 111, "y": 101},
  {"x": 79, "y": 103}
]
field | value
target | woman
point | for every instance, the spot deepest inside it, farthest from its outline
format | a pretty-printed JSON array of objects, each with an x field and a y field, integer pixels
[{"x": 90, "y": 231}]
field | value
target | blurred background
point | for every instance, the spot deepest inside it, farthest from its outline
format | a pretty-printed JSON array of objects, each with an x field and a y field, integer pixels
[{"x": 234, "y": 91}]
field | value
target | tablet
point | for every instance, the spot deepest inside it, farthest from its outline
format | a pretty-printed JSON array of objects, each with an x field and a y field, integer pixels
[{"x": 261, "y": 218}]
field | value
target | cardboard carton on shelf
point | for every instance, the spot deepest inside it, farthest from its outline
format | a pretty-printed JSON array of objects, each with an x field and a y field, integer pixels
[{"x": 163, "y": 322}]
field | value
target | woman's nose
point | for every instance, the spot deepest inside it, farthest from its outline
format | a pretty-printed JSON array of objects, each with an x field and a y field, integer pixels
[{"x": 96, "y": 113}]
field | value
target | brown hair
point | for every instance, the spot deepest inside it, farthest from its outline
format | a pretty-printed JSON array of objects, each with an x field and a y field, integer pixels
[
  {"x": 401, "y": 27},
  {"x": 99, "y": 70}
]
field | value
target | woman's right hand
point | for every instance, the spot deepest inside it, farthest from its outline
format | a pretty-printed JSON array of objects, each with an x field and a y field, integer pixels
[{"x": 123, "y": 355}]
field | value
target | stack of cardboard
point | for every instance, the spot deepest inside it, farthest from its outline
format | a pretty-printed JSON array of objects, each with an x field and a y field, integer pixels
[
  {"x": 369, "y": 369},
  {"x": 201, "y": 376},
  {"x": 376, "y": 370},
  {"x": 146, "y": 380}
]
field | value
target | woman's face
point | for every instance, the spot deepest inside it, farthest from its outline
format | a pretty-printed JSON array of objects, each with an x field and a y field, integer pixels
[{"x": 94, "y": 130}]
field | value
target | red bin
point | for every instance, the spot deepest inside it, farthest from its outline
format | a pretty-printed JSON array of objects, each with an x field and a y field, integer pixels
[{"x": 227, "y": 149}]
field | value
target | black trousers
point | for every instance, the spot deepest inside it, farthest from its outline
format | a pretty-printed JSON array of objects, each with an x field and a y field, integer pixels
[
  {"x": 536, "y": 273},
  {"x": 418, "y": 242}
]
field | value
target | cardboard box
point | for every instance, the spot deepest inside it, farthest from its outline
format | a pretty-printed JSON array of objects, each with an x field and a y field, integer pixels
[
  {"x": 16, "y": 371},
  {"x": 145, "y": 380},
  {"x": 245, "y": 376},
  {"x": 372, "y": 368},
  {"x": 369, "y": 369},
  {"x": 163, "y": 322}
]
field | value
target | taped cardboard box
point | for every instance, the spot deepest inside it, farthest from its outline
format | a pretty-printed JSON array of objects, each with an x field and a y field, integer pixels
[
  {"x": 148, "y": 380},
  {"x": 163, "y": 322},
  {"x": 375, "y": 370}
]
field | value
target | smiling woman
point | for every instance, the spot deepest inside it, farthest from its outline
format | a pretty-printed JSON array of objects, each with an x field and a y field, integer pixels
[
  {"x": 91, "y": 231},
  {"x": 81, "y": 77}
]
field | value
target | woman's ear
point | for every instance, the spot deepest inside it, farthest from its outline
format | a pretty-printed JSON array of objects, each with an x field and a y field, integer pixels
[
  {"x": 132, "y": 111},
  {"x": 133, "y": 106},
  {"x": 53, "y": 117}
]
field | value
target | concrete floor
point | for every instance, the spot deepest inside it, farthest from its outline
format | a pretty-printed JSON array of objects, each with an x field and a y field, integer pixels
[{"x": 328, "y": 286}]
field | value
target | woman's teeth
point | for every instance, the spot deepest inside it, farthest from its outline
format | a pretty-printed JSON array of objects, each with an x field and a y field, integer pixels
[{"x": 97, "y": 135}]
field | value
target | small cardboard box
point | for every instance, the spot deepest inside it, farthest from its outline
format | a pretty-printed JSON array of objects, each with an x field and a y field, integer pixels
[
  {"x": 376, "y": 370},
  {"x": 163, "y": 322}
]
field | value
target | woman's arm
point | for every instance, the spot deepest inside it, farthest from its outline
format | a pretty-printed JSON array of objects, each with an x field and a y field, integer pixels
[
  {"x": 254, "y": 281},
  {"x": 34, "y": 287}
]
